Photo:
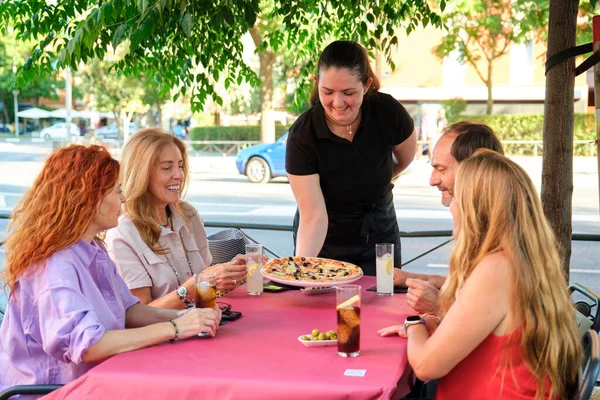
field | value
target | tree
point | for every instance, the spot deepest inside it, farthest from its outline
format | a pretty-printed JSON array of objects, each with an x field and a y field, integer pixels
[
  {"x": 191, "y": 44},
  {"x": 116, "y": 93},
  {"x": 481, "y": 31},
  {"x": 13, "y": 53},
  {"x": 557, "y": 167}
]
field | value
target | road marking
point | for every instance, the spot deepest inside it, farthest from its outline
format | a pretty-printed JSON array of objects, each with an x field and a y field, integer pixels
[
  {"x": 584, "y": 271},
  {"x": 273, "y": 210},
  {"x": 437, "y": 265}
]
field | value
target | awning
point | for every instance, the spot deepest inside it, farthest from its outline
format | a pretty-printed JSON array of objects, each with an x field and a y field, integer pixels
[{"x": 34, "y": 113}]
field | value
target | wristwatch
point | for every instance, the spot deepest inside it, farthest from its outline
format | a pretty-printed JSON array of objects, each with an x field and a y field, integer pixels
[
  {"x": 413, "y": 320},
  {"x": 182, "y": 293}
]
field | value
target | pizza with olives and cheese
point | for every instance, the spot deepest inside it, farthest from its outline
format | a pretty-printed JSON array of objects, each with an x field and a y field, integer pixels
[{"x": 311, "y": 269}]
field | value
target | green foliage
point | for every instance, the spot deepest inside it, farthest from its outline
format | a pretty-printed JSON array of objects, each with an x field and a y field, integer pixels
[
  {"x": 192, "y": 44},
  {"x": 530, "y": 127},
  {"x": 480, "y": 32},
  {"x": 454, "y": 107},
  {"x": 13, "y": 53},
  {"x": 234, "y": 133}
]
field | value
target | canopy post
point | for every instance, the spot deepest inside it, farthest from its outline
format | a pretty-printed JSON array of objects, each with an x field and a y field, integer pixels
[{"x": 596, "y": 35}]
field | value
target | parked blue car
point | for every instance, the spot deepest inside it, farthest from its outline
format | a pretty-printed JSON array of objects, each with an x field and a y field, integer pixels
[{"x": 262, "y": 162}]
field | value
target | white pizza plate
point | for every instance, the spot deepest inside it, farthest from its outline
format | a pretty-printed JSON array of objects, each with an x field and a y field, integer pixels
[
  {"x": 317, "y": 290},
  {"x": 312, "y": 284},
  {"x": 317, "y": 343}
]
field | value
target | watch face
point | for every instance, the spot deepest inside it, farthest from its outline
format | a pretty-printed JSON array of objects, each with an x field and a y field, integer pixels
[{"x": 413, "y": 318}]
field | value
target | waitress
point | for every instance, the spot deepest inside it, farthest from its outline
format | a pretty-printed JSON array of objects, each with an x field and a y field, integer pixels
[{"x": 341, "y": 157}]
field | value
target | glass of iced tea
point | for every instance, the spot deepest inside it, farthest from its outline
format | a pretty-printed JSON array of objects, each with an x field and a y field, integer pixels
[
  {"x": 206, "y": 290},
  {"x": 348, "y": 320}
]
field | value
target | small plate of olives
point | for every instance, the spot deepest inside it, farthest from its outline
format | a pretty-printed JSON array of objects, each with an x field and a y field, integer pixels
[{"x": 319, "y": 339}]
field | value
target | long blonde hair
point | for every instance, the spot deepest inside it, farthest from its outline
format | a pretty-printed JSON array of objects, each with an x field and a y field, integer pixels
[
  {"x": 139, "y": 156},
  {"x": 499, "y": 209}
]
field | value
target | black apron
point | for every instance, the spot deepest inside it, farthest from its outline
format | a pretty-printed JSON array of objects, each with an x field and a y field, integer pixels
[{"x": 354, "y": 231}]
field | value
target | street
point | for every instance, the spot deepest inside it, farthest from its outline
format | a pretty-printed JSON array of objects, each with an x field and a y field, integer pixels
[{"x": 222, "y": 195}]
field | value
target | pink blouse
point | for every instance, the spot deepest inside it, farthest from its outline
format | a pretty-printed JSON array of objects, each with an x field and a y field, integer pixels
[{"x": 141, "y": 267}]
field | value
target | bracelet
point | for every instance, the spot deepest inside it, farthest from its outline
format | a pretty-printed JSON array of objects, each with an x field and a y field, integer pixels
[
  {"x": 183, "y": 295},
  {"x": 176, "y": 331},
  {"x": 221, "y": 293}
]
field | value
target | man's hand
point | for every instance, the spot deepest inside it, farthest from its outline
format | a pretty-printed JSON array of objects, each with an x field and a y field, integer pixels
[
  {"x": 422, "y": 296},
  {"x": 400, "y": 277}
]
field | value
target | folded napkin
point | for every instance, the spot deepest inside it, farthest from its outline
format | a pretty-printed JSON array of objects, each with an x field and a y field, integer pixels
[{"x": 397, "y": 289}]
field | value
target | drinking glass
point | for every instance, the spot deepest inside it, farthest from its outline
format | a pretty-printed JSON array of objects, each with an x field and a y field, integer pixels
[
  {"x": 206, "y": 290},
  {"x": 254, "y": 264},
  {"x": 348, "y": 320},
  {"x": 384, "y": 261}
]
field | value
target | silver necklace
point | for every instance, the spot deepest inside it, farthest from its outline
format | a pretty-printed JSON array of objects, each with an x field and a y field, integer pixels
[{"x": 187, "y": 258}]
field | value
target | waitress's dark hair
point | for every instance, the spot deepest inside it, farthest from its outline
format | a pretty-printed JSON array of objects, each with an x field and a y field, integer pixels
[{"x": 346, "y": 54}]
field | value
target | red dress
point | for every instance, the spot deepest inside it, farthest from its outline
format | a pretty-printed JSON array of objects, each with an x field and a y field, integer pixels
[{"x": 478, "y": 377}]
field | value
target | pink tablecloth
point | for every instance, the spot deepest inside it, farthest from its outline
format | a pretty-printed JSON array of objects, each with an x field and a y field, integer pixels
[{"x": 259, "y": 356}]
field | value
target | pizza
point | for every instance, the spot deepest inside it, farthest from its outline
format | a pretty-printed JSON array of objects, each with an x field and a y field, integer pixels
[{"x": 311, "y": 269}]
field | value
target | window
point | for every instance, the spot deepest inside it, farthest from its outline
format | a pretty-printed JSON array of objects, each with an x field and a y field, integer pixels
[
  {"x": 454, "y": 70},
  {"x": 521, "y": 64}
]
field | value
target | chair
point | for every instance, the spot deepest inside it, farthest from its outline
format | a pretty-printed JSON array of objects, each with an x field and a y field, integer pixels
[
  {"x": 587, "y": 306},
  {"x": 590, "y": 365},
  {"x": 27, "y": 389}
]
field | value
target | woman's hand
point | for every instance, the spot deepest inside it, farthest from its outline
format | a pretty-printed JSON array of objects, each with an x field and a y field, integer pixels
[
  {"x": 393, "y": 330},
  {"x": 198, "y": 320},
  {"x": 229, "y": 275},
  {"x": 241, "y": 259}
]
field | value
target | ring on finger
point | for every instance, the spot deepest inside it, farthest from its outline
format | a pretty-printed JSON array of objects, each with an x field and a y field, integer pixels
[{"x": 234, "y": 281}]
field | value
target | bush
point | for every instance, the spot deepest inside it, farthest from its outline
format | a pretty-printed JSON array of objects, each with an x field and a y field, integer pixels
[
  {"x": 233, "y": 133},
  {"x": 530, "y": 127}
]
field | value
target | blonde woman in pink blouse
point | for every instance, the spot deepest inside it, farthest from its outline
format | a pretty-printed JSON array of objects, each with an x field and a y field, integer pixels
[{"x": 160, "y": 241}]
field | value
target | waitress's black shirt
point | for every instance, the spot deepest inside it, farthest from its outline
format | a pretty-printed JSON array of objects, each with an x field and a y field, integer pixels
[{"x": 353, "y": 176}]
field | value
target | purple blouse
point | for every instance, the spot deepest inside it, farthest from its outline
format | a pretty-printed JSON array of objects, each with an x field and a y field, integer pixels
[{"x": 56, "y": 314}]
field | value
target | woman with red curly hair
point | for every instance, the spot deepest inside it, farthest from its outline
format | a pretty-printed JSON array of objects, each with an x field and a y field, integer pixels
[{"x": 68, "y": 308}]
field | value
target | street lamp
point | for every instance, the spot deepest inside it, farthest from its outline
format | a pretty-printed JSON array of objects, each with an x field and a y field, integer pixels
[{"x": 16, "y": 99}]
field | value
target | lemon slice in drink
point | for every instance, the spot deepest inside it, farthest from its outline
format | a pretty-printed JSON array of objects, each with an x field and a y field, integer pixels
[
  {"x": 252, "y": 269},
  {"x": 348, "y": 303},
  {"x": 389, "y": 266}
]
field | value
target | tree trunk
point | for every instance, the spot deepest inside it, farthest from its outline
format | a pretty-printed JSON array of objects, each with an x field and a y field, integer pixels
[
  {"x": 159, "y": 115},
  {"x": 5, "y": 112},
  {"x": 557, "y": 167},
  {"x": 267, "y": 60},
  {"x": 488, "y": 83},
  {"x": 117, "y": 113}
]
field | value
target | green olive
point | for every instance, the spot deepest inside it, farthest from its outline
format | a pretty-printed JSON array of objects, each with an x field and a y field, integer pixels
[
  {"x": 321, "y": 336},
  {"x": 327, "y": 336},
  {"x": 305, "y": 338},
  {"x": 315, "y": 332}
]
